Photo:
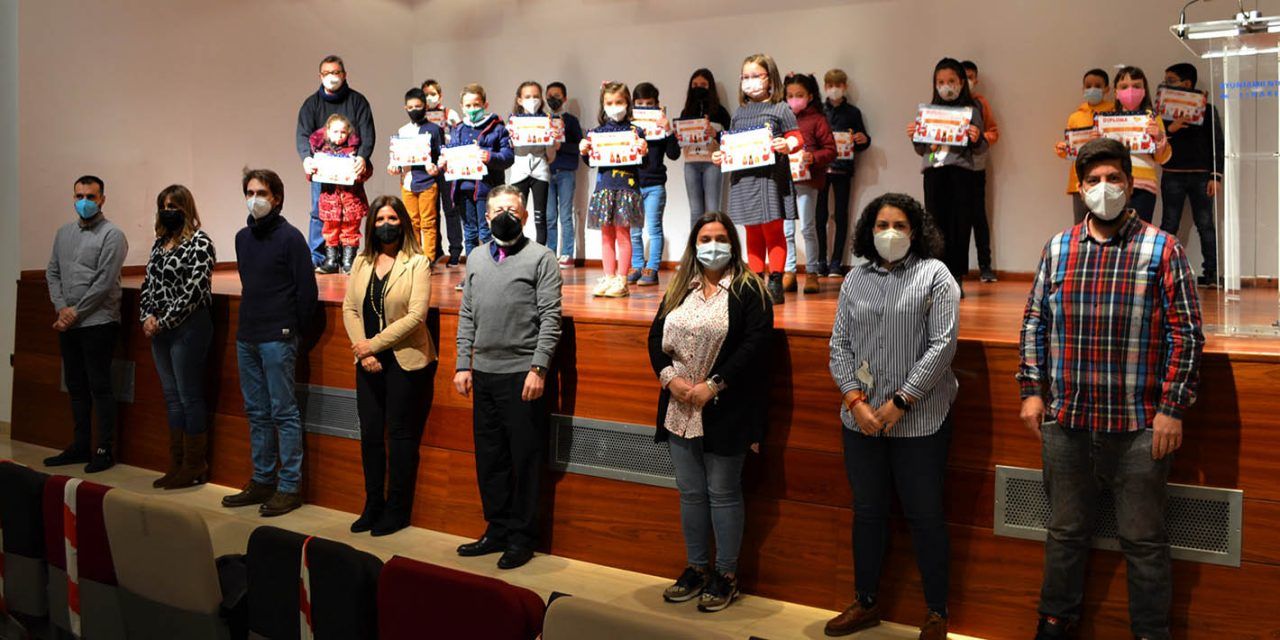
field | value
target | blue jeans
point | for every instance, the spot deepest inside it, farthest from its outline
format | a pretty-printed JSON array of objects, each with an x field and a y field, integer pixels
[
  {"x": 1077, "y": 465},
  {"x": 180, "y": 355},
  {"x": 654, "y": 200},
  {"x": 807, "y": 207},
  {"x": 315, "y": 233},
  {"x": 275, "y": 424},
  {"x": 475, "y": 226},
  {"x": 1176, "y": 188},
  {"x": 703, "y": 182},
  {"x": 560, "y": 212},
  {"x": 710, "y": 501}
]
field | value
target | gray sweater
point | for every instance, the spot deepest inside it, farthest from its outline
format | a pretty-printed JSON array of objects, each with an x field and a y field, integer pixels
[
  {"x": 84, "y": 271},
  {"x": 510, "y": 315},
  {"x": 972, "y": 157}
]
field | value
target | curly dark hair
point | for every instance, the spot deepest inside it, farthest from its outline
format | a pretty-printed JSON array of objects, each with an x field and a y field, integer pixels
[{"x": 926, "y": 240}]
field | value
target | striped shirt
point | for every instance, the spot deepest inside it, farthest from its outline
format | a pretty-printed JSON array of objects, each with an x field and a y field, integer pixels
[
  {"x": 1111, "y": 333},
  {"x": 895, "y": 330}
]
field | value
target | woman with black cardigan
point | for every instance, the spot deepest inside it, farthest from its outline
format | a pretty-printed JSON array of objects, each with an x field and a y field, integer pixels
[{"x": 712, "y": 406}]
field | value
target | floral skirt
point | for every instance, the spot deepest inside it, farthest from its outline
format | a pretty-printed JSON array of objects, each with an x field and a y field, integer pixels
[{"x": 615, "y": 207}]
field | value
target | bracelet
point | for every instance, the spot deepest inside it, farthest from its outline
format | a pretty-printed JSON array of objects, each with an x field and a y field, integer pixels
[{"x": 855, "y": 402}]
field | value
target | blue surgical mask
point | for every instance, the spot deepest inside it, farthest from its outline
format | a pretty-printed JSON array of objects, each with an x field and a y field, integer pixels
[
  {"x": 86, "y": 208},
  {"x": 714, "y": 255},
  {"x": 1093, "y": 95}
]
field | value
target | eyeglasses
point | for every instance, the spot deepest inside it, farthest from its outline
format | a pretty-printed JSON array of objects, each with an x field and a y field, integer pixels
[{"x": 755, "y": 77}]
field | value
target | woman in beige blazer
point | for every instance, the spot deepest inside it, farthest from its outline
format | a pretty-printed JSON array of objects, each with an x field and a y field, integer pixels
[{"x": 385, "y": 314}]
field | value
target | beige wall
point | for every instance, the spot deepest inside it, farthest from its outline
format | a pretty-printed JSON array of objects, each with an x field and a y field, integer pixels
[{"x": 9, "y": 237}]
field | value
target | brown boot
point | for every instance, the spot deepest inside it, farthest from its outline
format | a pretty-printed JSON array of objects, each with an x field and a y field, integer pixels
[
  {"x": 789, "y": 282},
  {"x": 853, "y": 619},
  {"x": 935, "y": 627},
  {"x": 279, "y": 504},
  {"x": 811, "y": 283},
  {"x": 175, "y": 460},
  {"x": 195, "y": 465},
  {"x": 253, "y": 493}
]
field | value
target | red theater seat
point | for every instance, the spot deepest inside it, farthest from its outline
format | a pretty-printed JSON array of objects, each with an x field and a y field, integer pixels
[{"x": 417, "y": 600}]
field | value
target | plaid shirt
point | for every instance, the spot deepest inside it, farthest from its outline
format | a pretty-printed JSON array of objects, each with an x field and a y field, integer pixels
[{"x": 1111, "y": 333}]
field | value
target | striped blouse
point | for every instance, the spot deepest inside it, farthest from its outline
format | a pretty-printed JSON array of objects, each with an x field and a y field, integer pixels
[
  {"x": 764, "y": 194},
  {"x": 896, "y": 331}
]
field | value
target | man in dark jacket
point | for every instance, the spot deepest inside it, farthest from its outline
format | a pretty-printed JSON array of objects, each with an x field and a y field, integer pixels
[
  {"x": 277, "y": 301},
  {"x": 333, "y": 96}
]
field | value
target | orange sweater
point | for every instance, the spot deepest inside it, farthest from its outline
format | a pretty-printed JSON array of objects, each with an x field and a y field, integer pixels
[
  {"x": 990, "y": 131},
  {"x": 1080, "y": 118}
]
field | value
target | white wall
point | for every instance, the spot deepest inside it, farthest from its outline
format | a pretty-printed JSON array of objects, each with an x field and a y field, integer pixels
[
  {"x": 9, "y": 237},
  {"x": 1031, "y": 54}
]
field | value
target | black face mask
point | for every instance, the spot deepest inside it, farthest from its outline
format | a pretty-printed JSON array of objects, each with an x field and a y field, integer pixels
[
  {"x": 416, "y": 116},
  {"x": 555, "y": 103},
  {"x": 387, "y": 233},
  {"x": 700, "y": 94},
  {"x": 172, "y": 220},
  {"x": 506, "y": 228}
]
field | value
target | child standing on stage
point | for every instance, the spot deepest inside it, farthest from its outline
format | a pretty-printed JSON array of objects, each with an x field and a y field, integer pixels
[
  {"x": 419, "y": 188},
  {"x": 446, "y": 119},
  {"x": 564, "y": 179},
  {"x": 702, "y": 179},
  {"x": 1134, "y": 94},
  {"x": 819, "y": 152},
  {"x": 616, "y": 204},
  {"x": 653, "y": 193},
  {"x": 843, "y": 117},
  {"x": 341, "y": 206},
  {"x": 981, "y": 228},
  {"x": 1097, "y": 84},
  {"x": 531, "y": 170},
  {"x": 485, "y": 130},
  {"x": 761, "y": 198}
]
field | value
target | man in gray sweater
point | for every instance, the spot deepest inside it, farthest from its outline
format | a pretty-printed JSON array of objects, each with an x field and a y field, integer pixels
[
  {"x": 508, "y": 327},
  {"x": 84, "y": 286}
]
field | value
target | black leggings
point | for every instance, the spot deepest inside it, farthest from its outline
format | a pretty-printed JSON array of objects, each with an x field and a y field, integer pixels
[
  {"x": 394, "y": 402},
  {"x": 951, "y": 197},
  {"x": 539, "y": 189}
]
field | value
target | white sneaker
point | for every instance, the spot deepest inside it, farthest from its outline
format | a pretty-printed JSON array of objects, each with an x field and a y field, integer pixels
[
  {"x": 602, "y": 285},
  {"x": 618, "y": 288},
  {"x": 566, "y": 262}
]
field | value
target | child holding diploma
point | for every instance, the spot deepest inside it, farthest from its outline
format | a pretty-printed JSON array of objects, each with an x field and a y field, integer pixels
[
  {"x": 1193, "y": 172},
  {"x": 419, "y": 188},
  {"x": 485, "y": 130},
  {"x": 446, "y": 119},
  {"x": 531, "y": 170},
  {"x": 1133, "y": 94},
  {"x": 616, "y": 204},
  {"x": 761, "y": 198},
  {"x": 844, "y": 117},
  {"x": 1097, "y": 84},
  {"x": 702, "y": 178},
  {"x": 818, "y": 152},
  {"x": 341, "y": 206},
  {"x": 951, "y": 171},
  {"x": 653, "y": 193}
]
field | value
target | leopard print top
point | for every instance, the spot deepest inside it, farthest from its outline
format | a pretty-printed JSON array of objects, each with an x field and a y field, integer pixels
[{"x": 177, "y": 281}]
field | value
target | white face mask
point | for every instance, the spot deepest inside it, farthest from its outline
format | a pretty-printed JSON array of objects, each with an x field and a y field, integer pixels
[
  {"x": 1106, "y": 200},
  {"x": 531, "y": 105},
  {"x": 714, "y": 255},
  {"x": 258, "y": 207},
  {"x": 948, "y": 92},
  {"x": 432, "y": 101},
  {"x": 833, "y": 93},
  {"x": 615, "y": 112},
  {"x": 332, "y": 82},
  {"x": 892, "y": 245},
  {"x": 973, "y": 85},
  {"x": 753, "y": 87}
]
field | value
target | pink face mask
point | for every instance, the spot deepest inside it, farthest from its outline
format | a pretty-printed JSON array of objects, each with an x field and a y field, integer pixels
[
  {"x": 1131, "y": 98},
  {"x": 797, "y": 104}
]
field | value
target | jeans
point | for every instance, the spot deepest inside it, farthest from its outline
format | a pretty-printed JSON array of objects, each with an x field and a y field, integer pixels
[
  {"x": 807, "y": 207},
  {"x": 704, "y": 183},
  {"x": 841, "y": 184},
  {"x": 475, "y": 226},
  {"x": 86, "y": 367},
  {"x": 275, "y": 424},
  {"x": 1144, "y": 202},
  {"x": 1177, "y": 187},
  {"x": 393, "y": 406},
  {"x": 916, "y": 467},
  {"x": 511, "y": 442},
  {"x": 710, "y": 488},
  {"x": 539, "y": 208},
  {"x": 560, "y": 212},
  {"x": 654, "y": 200},
  {"x": 180, "y": 355},
  {"x": 1077, "y": 466},
  {"x": 315, "y": 233}
]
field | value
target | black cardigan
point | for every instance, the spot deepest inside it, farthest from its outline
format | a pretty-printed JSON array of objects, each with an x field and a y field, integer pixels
[{"x": 735, "y": 422}]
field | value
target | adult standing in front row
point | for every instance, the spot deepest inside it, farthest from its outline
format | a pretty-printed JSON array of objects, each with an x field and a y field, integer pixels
[
  {"x": 891, "y": 350},
  {"x": 84, "y": 285},
  {"x": 333, "y": 96},
  {"x": 508, "y": 327},
  {"x": 706, "y": 346},
  {"x": 277, "y": 302},
  {"x": 174, "y": 307},
  {"x": 1118, "y": 378},
  {"x": 385, "y": 314}
]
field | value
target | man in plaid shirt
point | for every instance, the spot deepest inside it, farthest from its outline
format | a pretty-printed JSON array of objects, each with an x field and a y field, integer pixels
[{"x": 1111, "y": 341}]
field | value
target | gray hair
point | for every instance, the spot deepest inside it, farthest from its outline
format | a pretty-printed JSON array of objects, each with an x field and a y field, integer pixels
[{"x": 506, "y": 190}]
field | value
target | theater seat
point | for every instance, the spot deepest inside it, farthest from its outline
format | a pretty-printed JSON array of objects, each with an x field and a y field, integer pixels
[
  {"x": 274, "y": 562},
  {"x": 100, "y": 613},
  {"x": 573, "y": 618},
  {"x": 25, "y": 572},
  {"x": 164, "y": 563},
  {"x": 417, "y": 600}
]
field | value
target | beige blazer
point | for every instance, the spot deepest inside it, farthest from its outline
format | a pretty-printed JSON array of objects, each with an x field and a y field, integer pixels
[{"x": 406, "y": 296}]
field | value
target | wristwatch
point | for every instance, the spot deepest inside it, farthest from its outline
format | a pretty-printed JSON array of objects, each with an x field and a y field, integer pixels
[
  {"x": 900, "y": 401},
  {"x": 542, "y": 371}
]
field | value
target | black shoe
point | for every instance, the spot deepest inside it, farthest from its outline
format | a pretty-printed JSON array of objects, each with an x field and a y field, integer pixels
[
  {"x": 719, "y": 594},
  {"x": 389, "y": 523},
  {"x": 70, "y": 455},
  {"x": 252, "y": 493},
  {"x": 961, "y": 285},
  {"x": 688, "y": 586},
  {"x": 482, "y": 547},
  {"x": 349, "y": 258},
  {"x": 330, "y": 264},
  {"x": 988, "y": 275},
  {"x": 774, "y": 288},
  {"x": 101, "y": 461},
  {"x": 371, "y": 514},
  {"x": 1207, "y": 280},
  {"x": 515, "y": 556},
  {"x": 1051, "y": 628},
  {"x": 453, "y": 262},
  {"x": 281, "y": 503}
]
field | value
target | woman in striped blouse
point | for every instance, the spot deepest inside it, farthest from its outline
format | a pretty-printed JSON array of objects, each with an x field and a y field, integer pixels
[{"x": 891, "y": 350}]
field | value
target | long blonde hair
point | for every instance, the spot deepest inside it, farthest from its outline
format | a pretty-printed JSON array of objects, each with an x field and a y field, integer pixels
[
  {"x": 690, "y": 268},
  {"x": 182, "y": 200}
]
